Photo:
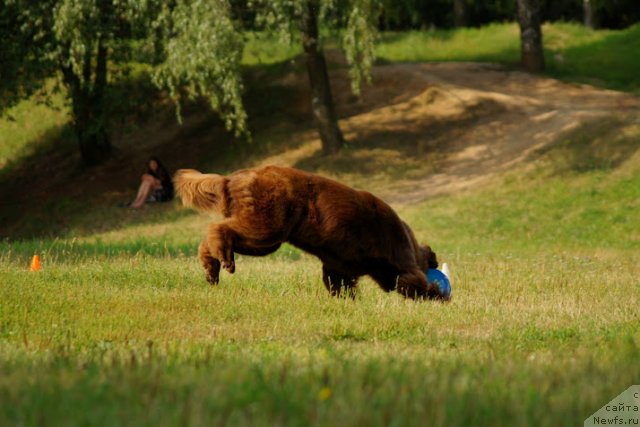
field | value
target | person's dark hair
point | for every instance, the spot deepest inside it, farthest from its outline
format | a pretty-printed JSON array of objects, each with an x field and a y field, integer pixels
[{"x": 162, "y": 174}]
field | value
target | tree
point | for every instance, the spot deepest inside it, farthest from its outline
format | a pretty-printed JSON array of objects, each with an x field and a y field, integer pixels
[
  {"x": 72, "y": 37},
  {"x": 197, "y": 45},
  {"x": 321, "y": 97},
  {"x": 301, "y": 21},
  {"x": 459, "y": 13},
  {"x": 16, "y": 80},
  {"x": 588, "y": 15},
  {"x": 201, "y": 27},
  {"x": 78, "y": 39},
  {"x": 532, "y": 54},
  {"x": 82, "y": 32}
]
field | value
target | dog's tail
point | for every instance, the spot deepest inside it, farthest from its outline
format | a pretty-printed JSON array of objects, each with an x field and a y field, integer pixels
[{"x": 204, "y": 192}]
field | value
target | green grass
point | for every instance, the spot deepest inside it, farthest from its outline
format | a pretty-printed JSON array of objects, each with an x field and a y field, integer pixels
[
  {"x": 539, "y": 340},
  {"x": 601, "y": 58},
  {"x": 265, "y": 49},
  {"x": 577, "y": 195},
  {"x": 30, "y": 125},
  {"x": 573, "y": 53},
  {"x": 120, "y": 328},
  {"x": 493, "y": 43}
]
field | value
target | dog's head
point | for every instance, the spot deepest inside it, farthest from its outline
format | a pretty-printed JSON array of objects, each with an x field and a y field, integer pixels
[
  {"x": 428, "y": 258},
  {"x": 425, "y": 257}
]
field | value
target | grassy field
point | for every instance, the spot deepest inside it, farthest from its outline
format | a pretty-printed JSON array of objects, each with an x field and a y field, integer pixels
[
  {"x": 120, "y": 328},
  {"x": 572, "y": 52}
]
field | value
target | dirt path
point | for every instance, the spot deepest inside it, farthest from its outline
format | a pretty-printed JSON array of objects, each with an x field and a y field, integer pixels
[{"x": 452, "y": 126}]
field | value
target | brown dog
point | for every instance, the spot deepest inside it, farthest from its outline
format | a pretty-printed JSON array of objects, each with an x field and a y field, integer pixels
[{"x": 352, "y": 232}]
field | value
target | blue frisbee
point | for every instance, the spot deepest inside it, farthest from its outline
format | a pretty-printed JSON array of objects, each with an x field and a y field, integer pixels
[{"x": 439, "y": 278}]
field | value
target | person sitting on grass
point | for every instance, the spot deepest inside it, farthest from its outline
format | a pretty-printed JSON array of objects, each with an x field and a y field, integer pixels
[{"x": 155, "y": 185}]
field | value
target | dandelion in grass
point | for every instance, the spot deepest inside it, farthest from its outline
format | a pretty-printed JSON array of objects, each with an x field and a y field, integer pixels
[{"x": 324, "y": 393}]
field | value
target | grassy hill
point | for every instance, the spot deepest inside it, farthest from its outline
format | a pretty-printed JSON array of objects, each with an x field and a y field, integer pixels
[{"x": 530, "y": 198}]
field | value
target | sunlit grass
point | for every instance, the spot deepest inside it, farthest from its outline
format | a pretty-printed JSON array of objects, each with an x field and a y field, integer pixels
[
  {"x": 493, "y": 43},
  {"x": 574, "y": 53},
  {"x": 266, "y": 49},
  {"x": 602, "y": 58},
  {"x": 30, "y": 124},
  {"x": 522, "y": 334}
]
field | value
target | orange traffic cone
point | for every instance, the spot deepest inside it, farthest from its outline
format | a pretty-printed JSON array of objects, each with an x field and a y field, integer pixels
[{"x": 35, "y": 263}]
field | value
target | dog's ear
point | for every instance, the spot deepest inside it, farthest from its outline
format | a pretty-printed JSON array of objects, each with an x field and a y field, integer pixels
[{"x": 429, "y": 259}]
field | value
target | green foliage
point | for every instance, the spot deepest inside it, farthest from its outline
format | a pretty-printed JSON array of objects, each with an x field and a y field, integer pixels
[
  {"x": 574, "y": 53},
  {"x": 421, "y": 14},
  {"x": 73, "y": 42},
  {"x": 353, "y": 22},
  {"x": 358, "y": 41},
  {"x": 197, "y": 45},
  {"x": 77, "y": 27},
  {"x": 25, "y": 51},
  {"x": 203, "y": 54}
]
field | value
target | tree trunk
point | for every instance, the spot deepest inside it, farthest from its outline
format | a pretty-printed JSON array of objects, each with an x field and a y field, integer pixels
[
  {"x": 459, "y": 13},
  {"x": 532, "y": 54},
  {"x": 588, "y": 14},
  {"x": 100, "y": 141},
  {"x": 321, "y": 99},
  {"x": 91, "y": 131},
  {"x": 89, "y": 115}
]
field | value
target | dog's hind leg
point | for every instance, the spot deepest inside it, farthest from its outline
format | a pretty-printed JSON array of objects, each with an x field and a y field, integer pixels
[
  {"x": 220, "y": 239},
  {"x": 211, "y": 265},
  {"x": 337, "y": 282}
]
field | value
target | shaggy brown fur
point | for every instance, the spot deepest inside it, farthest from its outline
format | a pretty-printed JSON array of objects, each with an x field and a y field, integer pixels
[{"x": 352, "y": 232}]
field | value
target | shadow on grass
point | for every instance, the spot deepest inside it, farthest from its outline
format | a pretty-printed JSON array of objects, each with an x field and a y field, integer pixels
[
  {"x": 416, "y": 149},
  {"x": 70, "y": 251},
  {"x": 49, "y": 194},
  {"x": 55, "y": 250},
  {"x": 604, "y": 144}
]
